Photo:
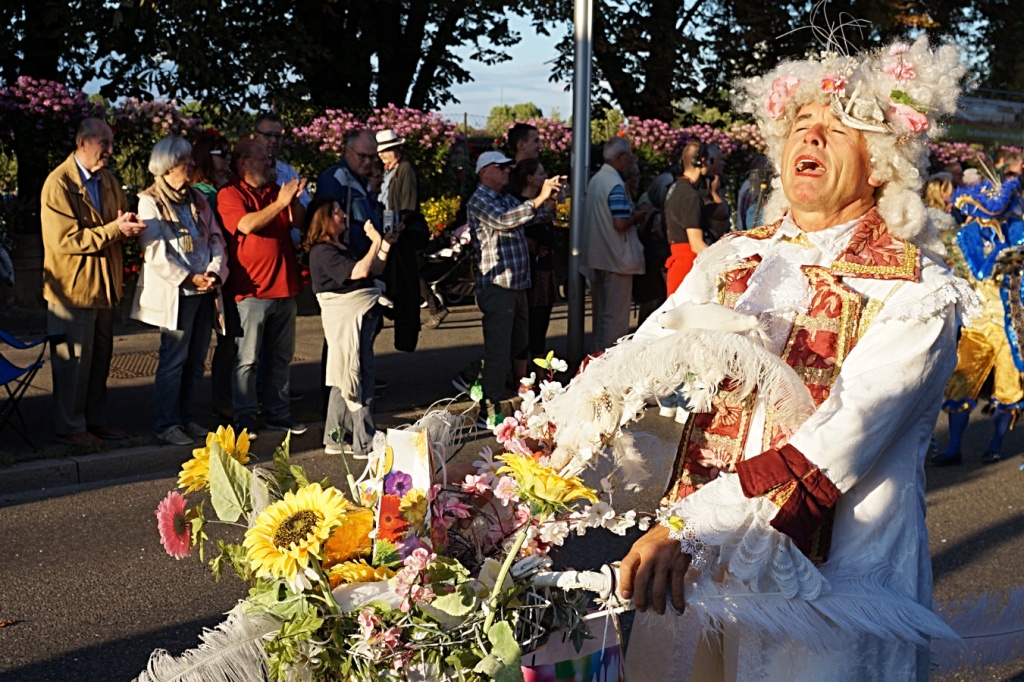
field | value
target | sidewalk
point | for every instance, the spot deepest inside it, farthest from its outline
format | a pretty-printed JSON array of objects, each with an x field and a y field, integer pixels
[{"x": 415, "y": 382}]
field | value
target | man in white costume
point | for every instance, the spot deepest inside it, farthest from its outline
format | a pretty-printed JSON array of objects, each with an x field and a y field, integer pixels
[{"x": 799, "y": 549}]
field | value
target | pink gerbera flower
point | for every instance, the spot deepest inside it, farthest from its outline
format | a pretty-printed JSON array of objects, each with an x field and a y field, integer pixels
[{"x": 175, "y": 530}]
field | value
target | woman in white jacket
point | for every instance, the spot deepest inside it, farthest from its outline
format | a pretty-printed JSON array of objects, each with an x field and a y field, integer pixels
[{"x": 179, "y": 287}]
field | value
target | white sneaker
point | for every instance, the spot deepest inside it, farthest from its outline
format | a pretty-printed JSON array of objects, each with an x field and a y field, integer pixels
[
  {"x": 196, "y": 430},
  {"x": 332, "y": 450},
  {"x": 667, "y": 411},
  {"x": 174, "y": 435},
  {"x": 682, "y": 415}
]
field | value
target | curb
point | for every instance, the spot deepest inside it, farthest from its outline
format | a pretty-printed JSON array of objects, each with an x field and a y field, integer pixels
[{"x": 40, "y": 475}]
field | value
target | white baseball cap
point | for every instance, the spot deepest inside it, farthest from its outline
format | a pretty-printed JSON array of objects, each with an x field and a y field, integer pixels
[{"x": 489, "y": 158}]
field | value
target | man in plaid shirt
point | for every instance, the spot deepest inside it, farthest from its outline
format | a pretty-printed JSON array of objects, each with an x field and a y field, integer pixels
[{"x": 502, "y": 264}]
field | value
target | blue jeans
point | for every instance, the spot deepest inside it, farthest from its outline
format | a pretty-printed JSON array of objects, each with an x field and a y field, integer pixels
[
  {"x": 269, "y": 321},
  {"x": 182, "y": 359}
]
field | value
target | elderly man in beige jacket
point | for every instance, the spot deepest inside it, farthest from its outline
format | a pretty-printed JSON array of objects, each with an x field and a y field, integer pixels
[{"x": 84, "y": 217}]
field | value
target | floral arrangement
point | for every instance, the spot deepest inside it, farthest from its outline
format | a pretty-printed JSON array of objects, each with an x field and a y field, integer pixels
[
  {"x": 423, "y": 579},
  {"x": 440, "y": 212}
]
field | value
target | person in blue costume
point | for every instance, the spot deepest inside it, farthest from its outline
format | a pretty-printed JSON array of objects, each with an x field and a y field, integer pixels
[{"x": 991, "y": 244}]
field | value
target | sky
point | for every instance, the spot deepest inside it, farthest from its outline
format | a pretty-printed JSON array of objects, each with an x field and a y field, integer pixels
[{"x": 524, "y": 78}]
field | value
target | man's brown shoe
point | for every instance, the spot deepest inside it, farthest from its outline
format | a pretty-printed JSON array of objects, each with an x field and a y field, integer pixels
[
  {"x": 108, "y": 433},
  {"x": 84, "y": 439}
]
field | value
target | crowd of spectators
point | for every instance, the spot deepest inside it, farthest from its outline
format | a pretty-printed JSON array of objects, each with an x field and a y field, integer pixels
[{"x": 220, "y": 229}]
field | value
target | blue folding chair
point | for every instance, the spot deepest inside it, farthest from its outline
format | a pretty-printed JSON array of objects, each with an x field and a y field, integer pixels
[{"x": 16, "y": 380}]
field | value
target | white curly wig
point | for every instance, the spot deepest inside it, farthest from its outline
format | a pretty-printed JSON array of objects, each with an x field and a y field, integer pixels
[{"x": 894, "y": 96}]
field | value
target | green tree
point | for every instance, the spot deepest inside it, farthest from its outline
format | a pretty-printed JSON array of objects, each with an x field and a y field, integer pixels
[{"x": 503, "y": 115}]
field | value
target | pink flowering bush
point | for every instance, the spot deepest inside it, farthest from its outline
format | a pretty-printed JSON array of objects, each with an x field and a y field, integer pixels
[
  {"x": 966, "y": 154},
  {"x": 138, "y": 125},
  {"x": 326, "y": 133},
  {"x": 555, "y": 143},
  {"x": 428, "y": 141},
  {"x": 38, "y": 119}
]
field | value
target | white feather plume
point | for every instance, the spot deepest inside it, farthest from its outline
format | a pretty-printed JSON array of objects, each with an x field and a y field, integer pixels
[
  {"x": 992, "y": 629},
  {"x": 852, "y": 605},
  {"x": 589, "y": 416},
  {"x": 231, "y": 652}
]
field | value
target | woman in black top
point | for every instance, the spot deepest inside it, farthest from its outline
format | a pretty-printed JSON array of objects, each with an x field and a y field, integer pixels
[
  {"x": 526, "y": 181},
  {"x": 347, "y": 294}
]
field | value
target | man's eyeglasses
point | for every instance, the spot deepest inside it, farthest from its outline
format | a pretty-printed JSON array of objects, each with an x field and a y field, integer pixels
[
  {"x": 273, "y": 136},
  {"x": 219, "y": 152},
  {"x": 365, "y": 157}
]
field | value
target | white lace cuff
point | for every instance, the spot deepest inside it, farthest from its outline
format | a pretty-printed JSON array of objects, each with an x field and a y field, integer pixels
[{"x": 722, "y": 529}]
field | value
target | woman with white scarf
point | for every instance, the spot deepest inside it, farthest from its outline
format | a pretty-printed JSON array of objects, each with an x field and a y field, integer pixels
[{"x": 184, "y": 267}]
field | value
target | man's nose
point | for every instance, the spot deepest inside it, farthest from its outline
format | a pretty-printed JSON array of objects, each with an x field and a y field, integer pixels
[{"x": 815, "y": 135}]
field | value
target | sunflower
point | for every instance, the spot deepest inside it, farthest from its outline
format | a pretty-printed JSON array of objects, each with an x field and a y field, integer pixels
[
  {"x": 542, "y": 485},
  {"x": 292, "y": 529},
  {"x": 357, "y": 572},
  {"x": 195, "y": 473},
  {"x": 351, "y": 538}
]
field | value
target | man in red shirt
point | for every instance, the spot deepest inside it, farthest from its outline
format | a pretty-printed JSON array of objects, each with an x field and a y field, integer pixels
[{"x": 264, "y": 281}]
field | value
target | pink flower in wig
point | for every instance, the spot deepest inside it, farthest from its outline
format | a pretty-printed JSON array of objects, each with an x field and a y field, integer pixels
[
  {"x": 900, "y": 71},
  {"x": 898, "y": 48},
  {"x": 833, "y": 85},
  {"x": 909, "y": 118},
  {"x": 175, "y": 530},
  {"x": 783, "y": 88}
]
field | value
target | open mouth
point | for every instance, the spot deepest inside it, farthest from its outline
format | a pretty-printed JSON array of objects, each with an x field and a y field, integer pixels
[{"x": 807, "y": 165}]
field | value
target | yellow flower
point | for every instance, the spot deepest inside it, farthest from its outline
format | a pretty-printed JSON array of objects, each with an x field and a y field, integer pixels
[
  {"x": 675, "y": 523},
  {"x": 350, "y": 538},
  {"x": 414, "y": 507},
  {"x": 357, "y": 572},
  {"x": 541, "y": 484},
  {"x": 195, "y": 473},
  {"x": 292, "y": 530}
]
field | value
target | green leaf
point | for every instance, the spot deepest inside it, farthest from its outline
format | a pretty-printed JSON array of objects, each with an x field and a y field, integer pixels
[
  {"x": 446, "y": 569},
  {"x": 384, "y": 553},
  {"x": 900, "y": 97},
  {"x": 282, "y": 463},
  {"x": 230, "y": 484},
  {"x": 199, "y": 536},
  {"x": 502, "y": 663},
  {"x": 450, "y": 610},
  {"x": 232, "y": 555},
  {"x": 299, "y": 474}
]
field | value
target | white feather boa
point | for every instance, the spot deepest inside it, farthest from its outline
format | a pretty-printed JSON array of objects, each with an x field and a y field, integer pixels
[
  {"x": 612, "y": 391},
  {"x": 231, "y": 652}
]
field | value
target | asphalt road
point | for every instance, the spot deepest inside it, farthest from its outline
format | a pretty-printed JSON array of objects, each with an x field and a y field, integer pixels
[
  {"x": 87, "y": 592},
  {"x": 91, "y": 592}
]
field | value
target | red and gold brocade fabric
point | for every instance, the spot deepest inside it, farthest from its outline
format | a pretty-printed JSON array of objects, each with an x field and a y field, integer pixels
[{"x": 818, "y": 343}]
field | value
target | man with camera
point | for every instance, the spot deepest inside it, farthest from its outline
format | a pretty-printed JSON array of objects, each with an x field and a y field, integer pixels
[{"x": 497, "y": 222}]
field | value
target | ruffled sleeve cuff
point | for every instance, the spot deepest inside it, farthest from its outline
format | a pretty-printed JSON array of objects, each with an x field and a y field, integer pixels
[{"x": 804, "y": 495}]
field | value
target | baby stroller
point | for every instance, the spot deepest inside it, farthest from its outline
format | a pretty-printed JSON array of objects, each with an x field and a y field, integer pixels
[{"x": 449, "y": 270}]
